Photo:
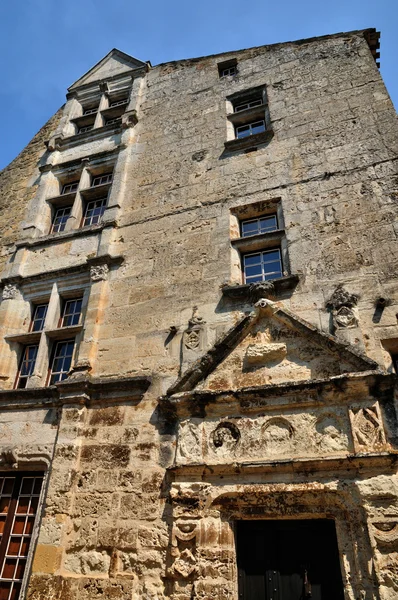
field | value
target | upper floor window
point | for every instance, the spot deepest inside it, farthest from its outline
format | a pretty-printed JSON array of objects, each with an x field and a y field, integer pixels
[
  {"x": 39, "y": 317},
  {"x": 243, "y": 131},
  {"x": 94, "y": 211},
  {"x": 90, "y": 110},
  {"x": 85, "y": 128},
  {"x": 69, "y": 188},
  {"x": 72, "y": 312},
  {"x": 118, "y": 102},
  {"x": 260, "y": 266},
  {"x": 27, "y": 366},
  {"x": 228, "y": 68},
  {"x": 249, "y": 104},
  {"x": 61, "y": 217},
  {"x": 61, "y": 361},
  {"x": 101, "y": 179},
  {"x": 261, "y": 225}
]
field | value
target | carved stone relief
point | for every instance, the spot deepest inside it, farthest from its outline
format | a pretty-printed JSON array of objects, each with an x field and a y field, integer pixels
[
  {"x": 10, "y": 291},
  {"x": 367, "y": 428},
  {"x": 193, "y": 336},
  {"x": 99, "y": 272},
  {"x": 277, "y": 433},
  {"x": 183, "y": 549},
  {"x": 189, "y": 440},
  {"x": 16, "y": 457},
  {"x": 225, "y": 436},
  {"x": 386, "y": 532},
  {"x": 345, "y": 317},
  {"x": 330, "y": 437}
]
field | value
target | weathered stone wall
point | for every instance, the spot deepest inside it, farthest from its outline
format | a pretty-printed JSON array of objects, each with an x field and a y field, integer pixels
[
  {"x": 18, "y": 185},
  {"x": 122, "y": 518}
]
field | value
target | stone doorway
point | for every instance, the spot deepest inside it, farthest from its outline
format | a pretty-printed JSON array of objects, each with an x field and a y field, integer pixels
[{"x": 288, "y": 560}]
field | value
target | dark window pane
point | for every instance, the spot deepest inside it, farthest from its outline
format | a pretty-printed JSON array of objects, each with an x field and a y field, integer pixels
[
  {"x": 250, "y": 227},
  {"x": 252, "y": 259},
  {"x": 250, "y": 271}
]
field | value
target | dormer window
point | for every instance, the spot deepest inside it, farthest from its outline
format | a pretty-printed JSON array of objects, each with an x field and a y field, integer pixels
[
  {"x": 118, "y": 102},
  {"x": 101, "y": 179},
  {"x": 69, "y": 188}
]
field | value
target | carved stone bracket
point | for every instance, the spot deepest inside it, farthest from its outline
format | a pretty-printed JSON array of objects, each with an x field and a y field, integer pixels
[
  {"x": 81, "y": 370},
  {"x": 367, "y": 428},
  {"x": 342, "y": 306},
  {"x": 226, "y": 436},
  {"x": 341, "y": 297},
  {"x": 183, "y": 549},
  {"x": 129, "y": 119},
  {"x": 99, "y": 272},
  {"x": 10, "y": 291}
]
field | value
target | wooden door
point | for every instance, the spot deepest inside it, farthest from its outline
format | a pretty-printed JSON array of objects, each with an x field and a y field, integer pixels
[{"x": 288, "y": 560}]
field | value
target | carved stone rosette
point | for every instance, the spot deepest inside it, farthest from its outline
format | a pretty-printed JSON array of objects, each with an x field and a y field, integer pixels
[{"x": 184, "y": 539}]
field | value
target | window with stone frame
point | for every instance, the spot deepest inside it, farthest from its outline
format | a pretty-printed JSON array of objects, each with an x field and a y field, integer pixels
[
  {"x": 61, "y": 361},
  {"x": 259, "y": 248},
  {"x": 80, "y": 202},
  {"x": 228, "y": 68},
  {"x": 53, "y": 335},
  {"x": 27, "y": 365},
  {"x": 248, "y": 117},
  {"x": 19, "y": 508}
]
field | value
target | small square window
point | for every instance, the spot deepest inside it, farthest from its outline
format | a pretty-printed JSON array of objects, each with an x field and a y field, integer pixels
[
  {"x": 62, "y": 360},
  {"x": 118, "y": 102},
  {"x": 94, "y": 211},
  {"x": 68, "y": 188},
  {"x": 72, "y": 312},
  {"x": 228, "y": 68},
  {"x": 60, "y": 219},
  {"x": 90, "y": 110},
  {"x": 26, "y": 368},
  {"x": 261, "y": 266},
  {"x": 247, "y": 105},
  {"x": 115, "y": 121},
  {"x": 85, "y": 128},
  {"x": 243, "y": 131},
  {"x": 101, "y": 179},
  {"x": 262, "y": 225},
  {"x": 39, "y": 317}
]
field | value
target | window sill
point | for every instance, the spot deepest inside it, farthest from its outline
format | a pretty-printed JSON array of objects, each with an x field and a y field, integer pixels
[
  {"x": 62, "y": 200},
  {"x": 89, "y": 136},
  {"x": 259, "y": 241},
  {"x": 63, "y": 333},
  {"x": 251, "y": 141},
  {"x": 242, "y": 292},
  {"x": 56, "y": 238},
  {"x": 28, "y": 338}
]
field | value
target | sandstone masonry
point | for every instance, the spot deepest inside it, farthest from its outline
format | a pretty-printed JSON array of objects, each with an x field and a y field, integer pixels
[{"x": 199, "y": 334}]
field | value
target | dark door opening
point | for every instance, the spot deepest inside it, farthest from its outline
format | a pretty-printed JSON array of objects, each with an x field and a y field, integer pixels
[{"x": 288, "y": 560}]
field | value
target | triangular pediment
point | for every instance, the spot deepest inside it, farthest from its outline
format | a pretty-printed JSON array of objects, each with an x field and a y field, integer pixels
[
  {"x": 113, "y": 64},
  {"x": 271, "y": 346}
]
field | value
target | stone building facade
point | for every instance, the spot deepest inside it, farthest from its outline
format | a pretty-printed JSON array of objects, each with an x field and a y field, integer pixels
[{"x": 199, "y": 332}]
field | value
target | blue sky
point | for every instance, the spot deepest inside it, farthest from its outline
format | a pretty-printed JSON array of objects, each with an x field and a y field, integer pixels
[{"x": 48, "y": 44}]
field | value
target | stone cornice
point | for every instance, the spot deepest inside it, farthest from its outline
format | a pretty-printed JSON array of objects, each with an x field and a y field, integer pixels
[{"x": 86, "y": 392}]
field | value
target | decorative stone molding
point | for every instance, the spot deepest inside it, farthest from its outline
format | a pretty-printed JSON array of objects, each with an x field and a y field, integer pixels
[
  {"x": 386, "y": 532},
  {"x": 99, "y": 272},
  {"x": 10, "y": 291},
  {"x": 367, "y": 428},
  {"x": 19, "y": 456},
  {"x": 183, "y": 549}
]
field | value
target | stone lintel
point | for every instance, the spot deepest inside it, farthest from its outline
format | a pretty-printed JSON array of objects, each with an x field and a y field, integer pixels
[{"x": 388, "y": 461}]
